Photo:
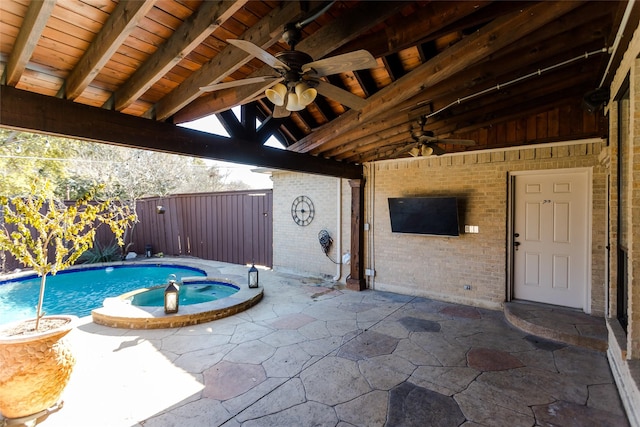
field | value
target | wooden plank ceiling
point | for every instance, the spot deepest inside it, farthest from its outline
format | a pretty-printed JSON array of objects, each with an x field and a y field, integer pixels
[{"x": 495, "y": 72}]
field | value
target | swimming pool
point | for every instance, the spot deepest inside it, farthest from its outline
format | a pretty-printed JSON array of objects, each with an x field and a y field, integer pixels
[{"x": 78, "y": 291}]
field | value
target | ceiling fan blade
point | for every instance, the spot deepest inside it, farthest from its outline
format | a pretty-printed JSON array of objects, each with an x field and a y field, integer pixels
[
  {"x": 259, "y": 53},
  {"x": 357, "y": 60},
  {"x": 437, "y": 150},
  {"x": 340, "y": 95},
  {"x": 241, "y": 82},
  {"x": 425, "y": 139},
  {"x": 280, "y": 112},
  {"x": 458, "y": 141}
]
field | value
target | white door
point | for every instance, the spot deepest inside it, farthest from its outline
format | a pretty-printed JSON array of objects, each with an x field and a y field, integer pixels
[{"x": 550, "y": 238}]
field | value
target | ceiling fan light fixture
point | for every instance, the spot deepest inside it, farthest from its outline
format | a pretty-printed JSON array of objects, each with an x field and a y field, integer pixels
[
  {"x": 415, "y": 152},
  {"x": 306, "y": 95},
  {"x": 293, "y": 104},
  {"x": 425, "y": 150},
  {"x": 276, "y": 94}
]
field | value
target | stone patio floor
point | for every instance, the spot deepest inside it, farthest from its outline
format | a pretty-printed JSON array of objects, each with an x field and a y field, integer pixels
[{"x": 312, "y": 354}]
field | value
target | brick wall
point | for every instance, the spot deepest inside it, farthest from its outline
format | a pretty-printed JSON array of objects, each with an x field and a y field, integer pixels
[
  {"x": 624, "y": 349},
  {"x": 436, "y": 267},
  {"x": 440, "y": 267},
  {"x": 297, "y": 248}
]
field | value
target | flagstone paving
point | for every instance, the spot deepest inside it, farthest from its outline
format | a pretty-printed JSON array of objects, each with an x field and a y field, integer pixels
[{"x": 313, "y": 354}]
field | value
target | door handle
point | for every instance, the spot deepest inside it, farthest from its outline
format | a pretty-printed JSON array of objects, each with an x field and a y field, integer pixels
[{"x": 516, "y": 244}]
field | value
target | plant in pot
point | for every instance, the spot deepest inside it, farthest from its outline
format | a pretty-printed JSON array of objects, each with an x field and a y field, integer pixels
[{"x": 48, "y": 236}]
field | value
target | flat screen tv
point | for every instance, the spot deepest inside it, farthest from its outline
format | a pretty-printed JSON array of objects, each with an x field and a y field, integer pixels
[{"x": 436, "y": 216}]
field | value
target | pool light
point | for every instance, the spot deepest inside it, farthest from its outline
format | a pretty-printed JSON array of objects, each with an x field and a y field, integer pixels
[
  {"x": 171, "y": 300},
  {"x": 253, "y": 276}
]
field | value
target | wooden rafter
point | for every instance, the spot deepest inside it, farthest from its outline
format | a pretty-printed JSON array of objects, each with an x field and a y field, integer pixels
[
  {"x": 112, "y": 127},
  {"x": 321, "y": 43},
  {"x": 186, "y": 38},
  {"x": 30, "y": 31},
  {"x": 120, "y": 24},
  {"x": 501, "y": 32}
]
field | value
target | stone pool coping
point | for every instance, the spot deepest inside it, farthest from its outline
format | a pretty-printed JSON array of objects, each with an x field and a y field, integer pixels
[{"x": 117, "y": 312}]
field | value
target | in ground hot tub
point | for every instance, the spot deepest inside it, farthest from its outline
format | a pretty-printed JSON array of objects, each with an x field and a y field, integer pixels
[
  {"x": 191, "y": 292},
  {"x": 201, "y": 300}
]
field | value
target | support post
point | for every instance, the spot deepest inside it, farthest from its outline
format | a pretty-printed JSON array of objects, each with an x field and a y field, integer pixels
[{"x": 356, "y": 281}]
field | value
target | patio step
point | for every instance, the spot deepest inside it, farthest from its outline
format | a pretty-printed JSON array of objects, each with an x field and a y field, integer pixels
[{"x": 560, "y": 324}]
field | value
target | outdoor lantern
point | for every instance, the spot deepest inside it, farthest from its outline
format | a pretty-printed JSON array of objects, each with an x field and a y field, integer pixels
[
  {"x": 171, "y": 297},
  {"x": 253, "y": 276}
]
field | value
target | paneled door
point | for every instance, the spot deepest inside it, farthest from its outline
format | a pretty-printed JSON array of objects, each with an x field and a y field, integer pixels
[{"x": 550, "y": 238}]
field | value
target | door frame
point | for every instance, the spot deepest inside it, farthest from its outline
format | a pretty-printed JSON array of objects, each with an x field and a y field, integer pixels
[{"x": 511, "y": 177}]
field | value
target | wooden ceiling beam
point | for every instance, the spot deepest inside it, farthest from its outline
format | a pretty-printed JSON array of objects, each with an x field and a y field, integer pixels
[
  {"x": 474, "y": 114},
  {"x": 269, "y": 124},
  {"x": 269, "y": 127},
  {"x": 488, "y": 73},
  {"x": 562, "y": 40},
  {"x": 31, "y": 29},
  {"x": 324, "y": 108},
  {"x": 32, "y": 112},
  {"x": 372, "y": 132},
  {"x": 551, "y": 87},
  {"x": 231, "y": 124},
  {"x": 399, "y": 138},
  {"x": 473, "y": 80},
  {"x": 366, "y": 82},
  {"x": 121, "y": 22},
  {"x": 193, "y": 31},
  {"x": 456, "y": 59},
  {"x": 389, "y": 151},
  {"x": 421, "y": 23},
  {"x": 248, "y": 120},
  {"x": 264, "y": 34},
  {"x": 503, "y": 111},
  {"x": 321, "y": 43},
  {"x": 393, "y": 64}
]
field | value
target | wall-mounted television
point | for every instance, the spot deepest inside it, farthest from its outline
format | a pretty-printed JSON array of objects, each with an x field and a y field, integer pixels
[{"x": 436, "y": 216}]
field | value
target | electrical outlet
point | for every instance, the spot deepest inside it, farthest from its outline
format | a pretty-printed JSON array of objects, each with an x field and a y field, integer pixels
[
  {"x": 467, "y": 287},
  {"x": 471, "y": 229},
  {"x": 369, "y": 272}
]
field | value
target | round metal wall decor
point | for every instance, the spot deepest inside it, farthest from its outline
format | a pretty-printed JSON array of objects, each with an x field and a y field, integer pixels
[{"x": 302, "y": 210}]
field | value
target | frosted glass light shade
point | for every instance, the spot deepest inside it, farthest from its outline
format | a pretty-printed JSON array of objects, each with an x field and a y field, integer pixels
[
  {"x": 276, "y": 94},
  {"x": 293, "y": 104},
  {"x": 415, "y": 152},
  {"x": 306, "y": 95},
  {"x": 426, "y": 150}
]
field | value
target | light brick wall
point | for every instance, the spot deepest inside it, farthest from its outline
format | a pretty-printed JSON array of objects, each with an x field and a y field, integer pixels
[
  {"x": 439, "y": 267},
  {"x": 297, "y": 248},
  {"x": 436, "y": 267},
  {"x": 624, "y": 349}
]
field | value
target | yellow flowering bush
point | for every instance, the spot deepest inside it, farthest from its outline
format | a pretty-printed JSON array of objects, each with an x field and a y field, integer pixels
[{"x": 41, "y": 223}]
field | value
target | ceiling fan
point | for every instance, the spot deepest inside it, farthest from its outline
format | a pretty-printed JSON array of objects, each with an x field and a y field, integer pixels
[
  {"x": 426, "y": 142},
  {"x": 298, "y": 79}
]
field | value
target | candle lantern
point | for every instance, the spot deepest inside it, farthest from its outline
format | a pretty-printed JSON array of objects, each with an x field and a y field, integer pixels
[
  {"x": 253, "y": 276},
  {"x": 171, "y": 297}
]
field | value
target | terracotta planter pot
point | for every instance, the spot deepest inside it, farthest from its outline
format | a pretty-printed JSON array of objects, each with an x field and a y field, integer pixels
[{"x": 34, "y": 369}]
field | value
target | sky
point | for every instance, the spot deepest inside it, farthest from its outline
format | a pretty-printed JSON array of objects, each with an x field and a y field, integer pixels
[{"x": 237, "y": 172}]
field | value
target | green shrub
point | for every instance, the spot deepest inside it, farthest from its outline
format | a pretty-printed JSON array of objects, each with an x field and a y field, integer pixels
[{"x": 101, "y": 253}]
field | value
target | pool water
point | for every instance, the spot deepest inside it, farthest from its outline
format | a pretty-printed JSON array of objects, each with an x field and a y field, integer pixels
[
  {"x": 78, "y": 292},
  {"x": 194, "y": 292}
]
